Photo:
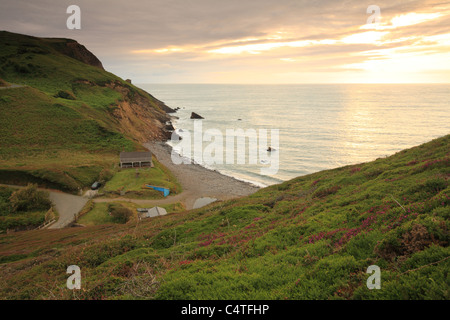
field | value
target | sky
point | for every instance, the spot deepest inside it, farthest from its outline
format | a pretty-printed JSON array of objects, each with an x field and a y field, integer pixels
[{"x": 252, "y": 41}]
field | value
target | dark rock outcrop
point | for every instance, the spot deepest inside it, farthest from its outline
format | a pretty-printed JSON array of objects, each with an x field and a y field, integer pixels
[
  {"x": 140, "y": 114},
  {"x": 77, "y": 51},
  {"x": 196, "y": 116},
  {"x": 65, "y": 95},
  {"x": 136, "y": 114},
  {"x": 164, "y": 107},
  {"x": 169, "y": 126}
]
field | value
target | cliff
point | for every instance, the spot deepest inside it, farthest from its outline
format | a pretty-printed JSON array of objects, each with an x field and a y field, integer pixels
[
  {"x": 67, "y": 118},
  {"x": 77, "y": 51}
]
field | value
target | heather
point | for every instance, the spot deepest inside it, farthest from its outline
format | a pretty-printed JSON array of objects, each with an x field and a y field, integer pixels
[{"x": 312, "y": 237}]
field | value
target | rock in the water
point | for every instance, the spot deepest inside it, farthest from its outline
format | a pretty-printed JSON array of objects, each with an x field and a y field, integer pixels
[
  {"x": 79, "y": 52},
  {"x": 173, "y": 110},
  {"x": 196, "y": 116}
]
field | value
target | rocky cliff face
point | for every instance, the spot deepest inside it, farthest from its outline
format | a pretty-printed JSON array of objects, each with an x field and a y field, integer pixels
[
  {"x": 43, "y": 63},
  {"x": 77, "y": 51},
  {"x": 140, "y": 115}
]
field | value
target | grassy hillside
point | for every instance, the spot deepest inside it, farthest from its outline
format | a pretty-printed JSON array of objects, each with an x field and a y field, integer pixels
[
  {"x": 24, "y": 209},
  {"x": 131, "y": 182},
  {"x": 309, "y": 238},
  {"x": 98, "y": 213},
  {"x": 65, "y": 121}
]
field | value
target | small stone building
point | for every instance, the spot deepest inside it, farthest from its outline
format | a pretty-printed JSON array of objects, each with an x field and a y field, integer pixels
[{"x": 136, "y": 159}]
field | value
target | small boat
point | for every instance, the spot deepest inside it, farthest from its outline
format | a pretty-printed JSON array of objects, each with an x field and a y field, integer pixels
[{"x": 165, "y": 191}]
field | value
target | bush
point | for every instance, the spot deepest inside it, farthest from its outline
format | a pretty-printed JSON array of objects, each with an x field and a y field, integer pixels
[
  {"x": 50, "y": 215},
  {"x": 435, "y": 185},
  {"x": 5, "y": 194},
  {"x": 65, "y": 95},
  {"x": 432, "y": 186},
  {"x": 105, "y": 175},
  {"x": 30, "y": 199},
  {"x": 362, "y": 246},
  {"x": 21, "y": 68},
  {"x": 120, "y": 213},
  {"x": 323, "y": 192}
]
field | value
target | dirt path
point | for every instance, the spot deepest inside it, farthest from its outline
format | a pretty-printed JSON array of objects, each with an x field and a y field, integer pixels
[
  {"x": 197, "y": 182},
  {"x": 12, "y": 86},
  {"x": 67, "y": 205}
]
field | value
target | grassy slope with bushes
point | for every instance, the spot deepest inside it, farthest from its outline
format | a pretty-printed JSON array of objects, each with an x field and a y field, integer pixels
[
  {"x": 98, "y": 213},
  {"x": 312, "y": 237},
  {"x": 22, "y": 209},
  {"x": 131, "y": 182},
  {"x": 60, "y": 130}
]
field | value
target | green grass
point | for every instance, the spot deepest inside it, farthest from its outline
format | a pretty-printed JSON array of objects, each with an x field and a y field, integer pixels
[
  {"x": 173, "y": 207},
  {"x": 66, "y": 128},
  {"x": 20, "y": 220},
  {"x": 64, "y": 142},
  {"x": 131, "y": 181},
  {"x": 97, "y": 213},
  {"x": 302, "y": 239},
  {"x": 97, "y": 216}
]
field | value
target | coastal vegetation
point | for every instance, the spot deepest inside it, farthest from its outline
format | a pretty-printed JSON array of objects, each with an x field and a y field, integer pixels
[
  {"x": 66, "y": 121},
  {"x": 312, "y": 237},
  {"x": 63, "y": 126},
  {"x": 21, "y": 209},
  {"x": 130, "y": 182},
  {"x": 95, "y": 214}
]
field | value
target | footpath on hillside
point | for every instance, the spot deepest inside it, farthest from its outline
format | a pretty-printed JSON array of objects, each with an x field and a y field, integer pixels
[{"x": 197, "y": 183}]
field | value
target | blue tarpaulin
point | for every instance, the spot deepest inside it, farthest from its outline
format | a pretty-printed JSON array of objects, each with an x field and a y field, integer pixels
[{"x": 164, "y": 190}]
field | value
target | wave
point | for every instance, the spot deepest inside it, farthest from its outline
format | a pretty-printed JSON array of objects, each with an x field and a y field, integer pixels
[{"x": 233, "y": 175}]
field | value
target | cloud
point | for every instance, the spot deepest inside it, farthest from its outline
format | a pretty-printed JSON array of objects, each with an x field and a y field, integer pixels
[{"x": 148, "y": 39}]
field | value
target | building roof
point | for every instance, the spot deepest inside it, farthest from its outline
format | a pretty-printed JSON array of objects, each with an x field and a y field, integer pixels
[
  {"x": 154, "y": 212},
  {"x": 136, "y": 156}
]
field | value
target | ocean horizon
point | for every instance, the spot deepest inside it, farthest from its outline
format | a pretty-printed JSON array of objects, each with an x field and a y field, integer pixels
[{"x": 321, "y": 126}]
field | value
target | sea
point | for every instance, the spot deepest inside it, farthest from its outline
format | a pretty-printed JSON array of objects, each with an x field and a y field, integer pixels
[{"x": 314, "y": 127}]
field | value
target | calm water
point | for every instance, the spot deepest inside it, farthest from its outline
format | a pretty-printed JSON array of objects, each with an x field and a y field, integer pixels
[{"x": 321, "y": 126}]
